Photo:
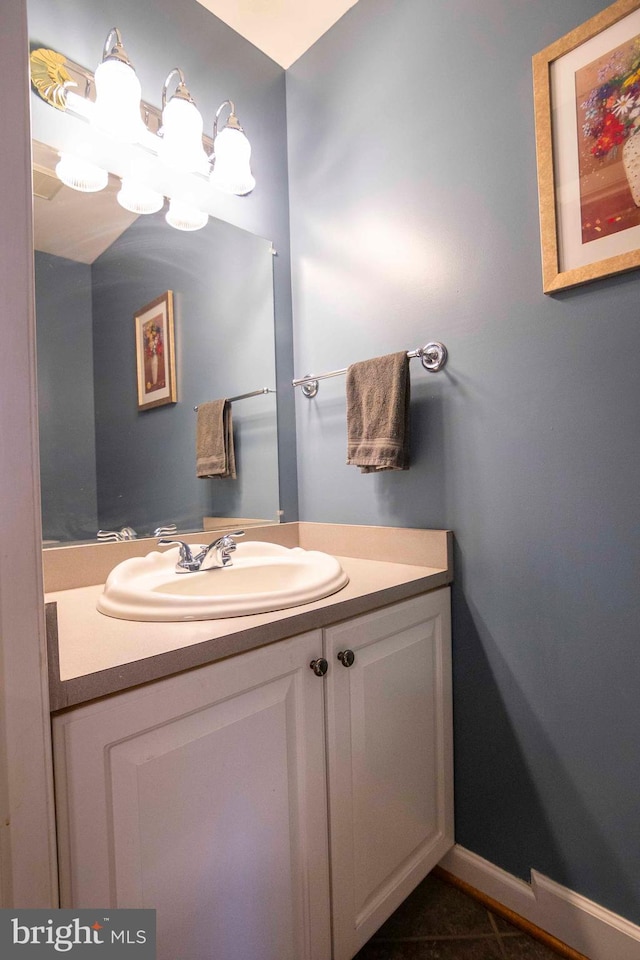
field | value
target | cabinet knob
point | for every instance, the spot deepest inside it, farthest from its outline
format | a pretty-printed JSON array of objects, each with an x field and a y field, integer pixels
[
  {"x": 319, "y": 666},
  {"x": 346, "y": 657}
]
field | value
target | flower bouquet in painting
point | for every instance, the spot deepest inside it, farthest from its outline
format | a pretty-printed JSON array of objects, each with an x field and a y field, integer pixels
[{"x": 608, "y": 101}]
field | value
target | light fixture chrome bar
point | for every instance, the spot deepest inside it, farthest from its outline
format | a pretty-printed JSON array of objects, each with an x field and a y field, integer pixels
[
  {"x": 53, "y": 75},
  {"x": 433, "y": 357},
  {"x": 245, "y": 396}
]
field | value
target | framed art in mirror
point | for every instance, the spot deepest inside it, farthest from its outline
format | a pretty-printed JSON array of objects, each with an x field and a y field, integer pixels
[
  {"x": 587, "y": 114},
  {"x": 155, "y": 353}
]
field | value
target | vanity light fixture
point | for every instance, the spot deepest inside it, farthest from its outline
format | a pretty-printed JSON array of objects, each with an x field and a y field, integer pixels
[
  {"x": 231, "y": 154},
  {"x": 118, "y": 94},
  {"x": 181, "y": 132},
  {"x": 180, "y": 159}
]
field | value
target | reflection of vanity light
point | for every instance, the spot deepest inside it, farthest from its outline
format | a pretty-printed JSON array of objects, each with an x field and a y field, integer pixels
[
  {"x": 81, "y": 174},
  {"x": 231, "y": 154},
  {"x": 184, "y": 216},
  {"x": 118, "y": 94},
  {"x": 138, "y": 197}
]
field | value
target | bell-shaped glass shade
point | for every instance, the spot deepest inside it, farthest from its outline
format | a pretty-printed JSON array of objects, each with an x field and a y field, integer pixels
[
  {"x": 137, "y": 197},
  {"x": 184, "y": 216},
  {"x": 231, "y": 169},
  {"x": 181, "y": 143},
  {"x": 81, "y": 174},
  {"x": 117, "y": 107}
]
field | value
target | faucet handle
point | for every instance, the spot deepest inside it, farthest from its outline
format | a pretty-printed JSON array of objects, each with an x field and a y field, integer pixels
[
  {"x": 218, "y": 553},
  {"x": 187, "y": 562},
  {"x": 232, "y": 536},
  {"x": 224, "y": 546}
]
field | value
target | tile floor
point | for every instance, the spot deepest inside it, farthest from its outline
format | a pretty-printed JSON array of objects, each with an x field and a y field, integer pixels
[{"x": 439, "y": 922}]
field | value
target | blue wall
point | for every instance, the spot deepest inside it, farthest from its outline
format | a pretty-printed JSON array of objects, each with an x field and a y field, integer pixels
[
  {"x": 65, "y": 398},
  {"x": 414, "y": 217}
]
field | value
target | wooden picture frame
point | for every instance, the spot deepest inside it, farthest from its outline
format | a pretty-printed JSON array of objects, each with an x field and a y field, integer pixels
[
  {"x": 155, "y": 353},
  {"x": 587, "y": 115}
]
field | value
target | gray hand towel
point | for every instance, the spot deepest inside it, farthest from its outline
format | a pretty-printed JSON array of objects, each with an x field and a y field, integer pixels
[
  {"x": 378, "y": 394},
  {"x": 215, "y": 455}
]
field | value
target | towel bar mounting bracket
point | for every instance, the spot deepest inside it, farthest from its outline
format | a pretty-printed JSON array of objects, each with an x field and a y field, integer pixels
[
  {"x": 433, "y": 356},
  {"x": 309, "y": 388}
]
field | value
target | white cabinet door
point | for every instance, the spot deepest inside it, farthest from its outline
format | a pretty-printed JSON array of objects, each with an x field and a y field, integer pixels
[
  {"x": 390, "y": 760},
  {"x": 204, "y": 796}
]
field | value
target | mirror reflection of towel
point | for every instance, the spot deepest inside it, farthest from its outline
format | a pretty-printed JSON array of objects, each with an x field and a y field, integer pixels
[
  {"x": 215, "y": 455},
  {"x": 378, "y": 395}
]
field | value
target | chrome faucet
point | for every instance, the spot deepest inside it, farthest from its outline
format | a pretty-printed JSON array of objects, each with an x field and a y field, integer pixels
[{"x": 213, "y": 557}]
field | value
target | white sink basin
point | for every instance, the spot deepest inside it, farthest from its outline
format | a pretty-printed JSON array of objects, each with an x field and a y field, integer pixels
[{"x": 262, "y": 577}]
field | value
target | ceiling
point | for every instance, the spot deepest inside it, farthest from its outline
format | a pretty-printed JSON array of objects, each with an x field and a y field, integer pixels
[{"x": 283, "y": 29}]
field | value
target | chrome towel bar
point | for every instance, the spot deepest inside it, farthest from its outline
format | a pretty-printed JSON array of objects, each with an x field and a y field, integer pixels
[
  {"x": 433, "y": 357},
  {"x": 245, "y": 396}
]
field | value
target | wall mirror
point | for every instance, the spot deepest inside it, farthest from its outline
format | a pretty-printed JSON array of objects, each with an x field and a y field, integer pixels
[{"x": 105, "y": 464}]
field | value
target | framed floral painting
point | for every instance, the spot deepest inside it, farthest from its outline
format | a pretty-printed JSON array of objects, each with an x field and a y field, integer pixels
[
  {"x": 155, "y": 353},
  {"x": 587, "y": 107}
]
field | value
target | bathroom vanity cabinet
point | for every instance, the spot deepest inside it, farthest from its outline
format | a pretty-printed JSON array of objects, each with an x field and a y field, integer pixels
[{"x": 267, "y": 809}]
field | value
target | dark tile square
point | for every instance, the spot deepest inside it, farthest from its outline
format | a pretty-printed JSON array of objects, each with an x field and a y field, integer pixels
[
  {"x": 526, "y": 948},
  {"x": 436, "y": 909},
  {"x": 469, "y": 949}
]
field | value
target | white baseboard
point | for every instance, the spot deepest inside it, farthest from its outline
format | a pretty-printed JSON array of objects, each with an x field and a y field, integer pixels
[{"x": 582, "y": 924}]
